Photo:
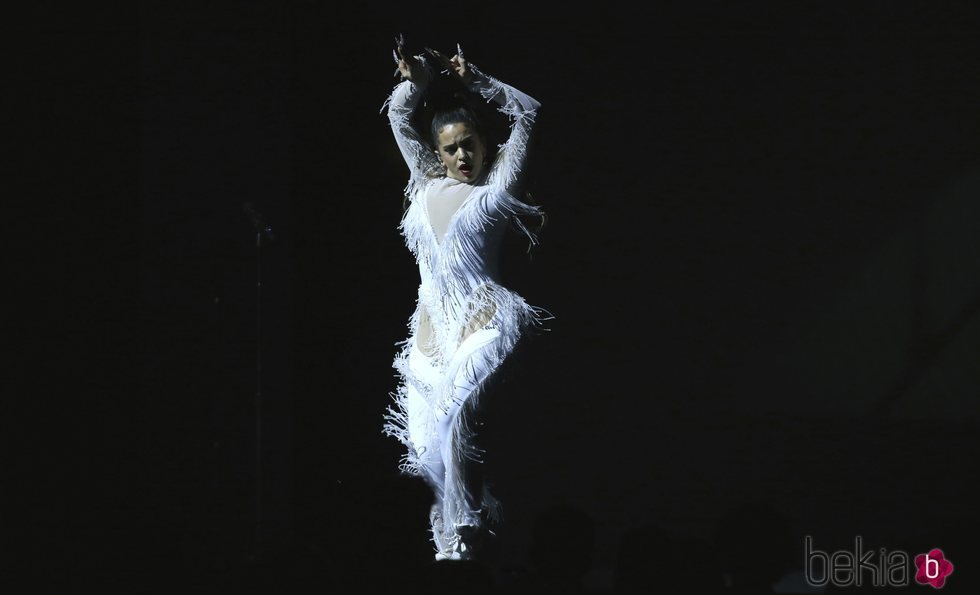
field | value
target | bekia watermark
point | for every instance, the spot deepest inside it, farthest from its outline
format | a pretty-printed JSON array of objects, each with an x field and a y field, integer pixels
[{"x": 844, "y": 568}]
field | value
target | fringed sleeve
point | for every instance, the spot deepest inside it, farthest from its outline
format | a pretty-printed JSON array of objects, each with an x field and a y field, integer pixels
[
  {"x": 513, "y": 208},
  {"x": 401, "y": 105},
  {"x": 522, "y": 109}
]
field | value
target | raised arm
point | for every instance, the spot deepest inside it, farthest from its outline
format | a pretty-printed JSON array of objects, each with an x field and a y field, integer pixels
[
  {"x": 401, "y": 106},
  {"x": 522, "y": 109}
]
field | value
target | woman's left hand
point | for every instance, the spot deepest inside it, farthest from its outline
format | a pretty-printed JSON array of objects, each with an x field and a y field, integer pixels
[{"x": 456, "y": 65}]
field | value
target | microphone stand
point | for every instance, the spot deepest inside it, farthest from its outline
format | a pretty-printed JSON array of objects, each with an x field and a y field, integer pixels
[{"x": 261, "y": 229}]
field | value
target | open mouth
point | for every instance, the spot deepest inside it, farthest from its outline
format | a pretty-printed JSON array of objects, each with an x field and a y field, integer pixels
[{"x": 466, "y": 169}]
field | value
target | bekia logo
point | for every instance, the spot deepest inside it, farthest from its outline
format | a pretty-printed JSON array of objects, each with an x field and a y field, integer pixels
[{"x": 844, "y": 568}]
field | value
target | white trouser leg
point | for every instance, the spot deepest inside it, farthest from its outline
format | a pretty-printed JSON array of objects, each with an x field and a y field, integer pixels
[
  {"x": 421, "y": 422},
  {"x": 470, "y": 366}
]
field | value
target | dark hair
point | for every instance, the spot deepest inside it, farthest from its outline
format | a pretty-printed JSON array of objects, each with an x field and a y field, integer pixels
[
  {"x": 458, "y": 108},
  {"x": 454, "y": 116}
]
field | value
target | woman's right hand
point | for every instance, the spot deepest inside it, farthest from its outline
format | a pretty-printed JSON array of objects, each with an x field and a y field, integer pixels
[{"x": 409, "y": 66}]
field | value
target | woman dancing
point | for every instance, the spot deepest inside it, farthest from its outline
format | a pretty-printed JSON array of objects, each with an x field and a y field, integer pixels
[{"x": 461, "y": 200}]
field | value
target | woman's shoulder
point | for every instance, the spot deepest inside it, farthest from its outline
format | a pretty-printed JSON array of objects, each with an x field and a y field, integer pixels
[{"x": 419, "y": 185}]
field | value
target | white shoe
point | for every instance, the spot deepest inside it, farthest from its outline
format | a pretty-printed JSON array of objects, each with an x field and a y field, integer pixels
[
  {"x": 459, "y": 551},
  {"x": 450, "y": 556},
  {"x": 445, "y": 549},
  {"x": 453, "y": 550}
]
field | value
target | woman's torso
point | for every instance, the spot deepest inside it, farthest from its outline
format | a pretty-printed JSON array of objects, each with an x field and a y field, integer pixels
[{"x": 454, "y": 230}]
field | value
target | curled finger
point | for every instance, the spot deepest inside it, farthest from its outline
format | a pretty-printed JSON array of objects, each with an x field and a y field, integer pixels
[{"x": 400, "y": 45}]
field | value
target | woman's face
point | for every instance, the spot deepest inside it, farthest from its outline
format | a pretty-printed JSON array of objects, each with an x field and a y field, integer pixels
[{"x": 461, "y": 151}]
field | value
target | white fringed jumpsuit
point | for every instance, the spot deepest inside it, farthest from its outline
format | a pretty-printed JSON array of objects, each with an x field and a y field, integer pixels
[{"x": 436, "y": 399}]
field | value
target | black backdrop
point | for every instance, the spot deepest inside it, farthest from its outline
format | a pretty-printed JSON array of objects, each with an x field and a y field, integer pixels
[{"x": 761, "y": 254}]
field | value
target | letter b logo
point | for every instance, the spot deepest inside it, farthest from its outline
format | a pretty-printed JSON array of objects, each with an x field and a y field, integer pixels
[{"x": 932, "y": 568}]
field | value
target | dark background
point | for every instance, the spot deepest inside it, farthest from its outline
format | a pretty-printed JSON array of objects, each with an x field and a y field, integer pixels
[{"x": 761, "y": 252}]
